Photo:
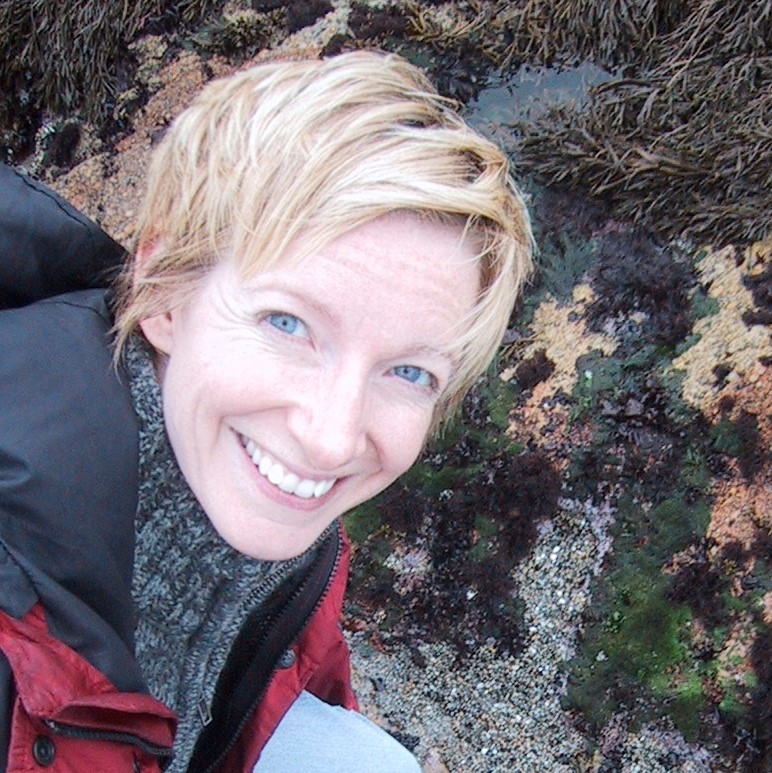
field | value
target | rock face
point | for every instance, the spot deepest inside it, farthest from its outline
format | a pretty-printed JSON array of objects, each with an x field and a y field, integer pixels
[{"x": 578, "y": 576}]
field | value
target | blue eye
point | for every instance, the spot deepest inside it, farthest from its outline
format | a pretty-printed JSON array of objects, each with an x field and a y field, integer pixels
[
  {"x": 414, "y": 375},
  {"x": 288, "y": 323}
]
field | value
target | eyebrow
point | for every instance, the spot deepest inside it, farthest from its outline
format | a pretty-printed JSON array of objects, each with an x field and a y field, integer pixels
[
  {"x": 432, "y": 351},
  {"x": 279, "y": 286},
  {"x": 327, "y": 312}
]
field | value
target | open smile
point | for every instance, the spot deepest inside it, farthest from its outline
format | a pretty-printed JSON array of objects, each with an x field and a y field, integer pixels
[{"x": 288, "y": 482}]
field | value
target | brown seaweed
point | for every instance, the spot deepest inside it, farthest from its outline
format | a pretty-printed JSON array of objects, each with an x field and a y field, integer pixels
[
  {"x": 682, "y": 142},
  {"x": 66, "y": 56}
]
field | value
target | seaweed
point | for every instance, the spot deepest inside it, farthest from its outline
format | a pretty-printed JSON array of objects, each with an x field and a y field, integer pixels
[
  {"x": 241, "y": 35},
  {"x": 634, "y": 274},
  {"x": 303, "y": 13},
  {"x": 636, "y": 654},
  {"x": 368, "y": 23},
  {"x": 610, "y": 33},
  {"x": 656, "y": 632},
  {"x": 456, "y": 63},
  {"x": 62, "y": 145},
  {"x": 68, "y": 53},
  {"x": 751, "y": 726},
  {"x": 739, "y": 437},
  {"x": 678, "y": 140},
  {"x": 698, "y": 583},
  {"x": 760, "y": 286},
  {"x": 564, "y": 228},
  {"x": 534, "y": 370},
  {"x": 435, "y": 551}
]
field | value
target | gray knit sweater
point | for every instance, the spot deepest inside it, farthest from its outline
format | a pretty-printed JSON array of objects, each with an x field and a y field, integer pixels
[{"x": 191, "y": 589}]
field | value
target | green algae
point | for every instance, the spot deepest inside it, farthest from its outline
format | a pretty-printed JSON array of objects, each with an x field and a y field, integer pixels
[
  {"x": 486, "y": 533},
  {"x": 726, "y": 437},
  {"x": 239, "y": 36},
  {"x": 703, "y": 305},
  {"x": 636, "y": 654},
  {"x": 562, "y": 261},
  {"x": 695, "y": 472},
  {"x": 363, "y": 521}
]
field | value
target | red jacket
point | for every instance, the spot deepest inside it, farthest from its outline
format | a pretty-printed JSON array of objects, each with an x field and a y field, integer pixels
[
  {"x": 72, "y": 697},
  {"x": 68, "y": 718}
]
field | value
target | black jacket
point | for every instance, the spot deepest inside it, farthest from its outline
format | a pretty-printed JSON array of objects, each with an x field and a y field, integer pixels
[
  {"x": 47, "y": 247},
  {"x": 66, "y": 518}
]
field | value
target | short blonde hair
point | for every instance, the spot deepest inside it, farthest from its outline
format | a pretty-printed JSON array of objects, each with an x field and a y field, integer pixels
[{"x": 318, "y": 148}]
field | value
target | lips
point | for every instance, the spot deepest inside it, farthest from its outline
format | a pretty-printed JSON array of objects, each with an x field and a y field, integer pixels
[{"x": 288, "y": 482}]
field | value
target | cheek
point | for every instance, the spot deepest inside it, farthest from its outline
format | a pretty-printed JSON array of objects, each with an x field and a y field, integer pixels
[
  {"x": 403, "y": 439},
  {"x": 177, "y": 393},
  {"x": 194, "y": 392}
]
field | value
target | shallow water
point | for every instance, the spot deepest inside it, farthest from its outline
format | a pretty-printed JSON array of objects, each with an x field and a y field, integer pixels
[{"x": 511, "y": 97}]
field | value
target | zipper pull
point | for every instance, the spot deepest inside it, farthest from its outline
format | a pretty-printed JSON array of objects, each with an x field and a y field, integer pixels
[{"x": 204, "y": 712}]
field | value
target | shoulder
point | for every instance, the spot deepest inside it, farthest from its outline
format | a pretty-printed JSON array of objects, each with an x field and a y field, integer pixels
[
  {"x": 68, "y": 444},
  {"x": 60, "y": 397},
  {"x": 56, "y": 351},
  {"x": 88, "y": 306},
  {"x": 48, "y": 247}
]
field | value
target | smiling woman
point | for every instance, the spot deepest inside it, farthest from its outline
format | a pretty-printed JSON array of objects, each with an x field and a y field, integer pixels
[
  {"x": 330, "y": 367},
  {"x": 327, "y": 259}
]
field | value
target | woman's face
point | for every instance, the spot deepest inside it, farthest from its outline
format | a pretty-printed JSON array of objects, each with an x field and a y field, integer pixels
[{"x": 295, "y": 396}]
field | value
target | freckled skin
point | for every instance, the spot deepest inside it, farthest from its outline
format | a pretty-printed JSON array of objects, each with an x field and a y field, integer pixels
[{"x": 331, "y": 366}]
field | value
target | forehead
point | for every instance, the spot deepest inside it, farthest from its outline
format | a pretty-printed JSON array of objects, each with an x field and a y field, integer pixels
[
  {"x": 397, "y": 260},
  {"x": 403, "y": 243}
]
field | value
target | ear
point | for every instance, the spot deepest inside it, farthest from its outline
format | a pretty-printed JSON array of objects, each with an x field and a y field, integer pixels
[{"x": 159, "y": 329}]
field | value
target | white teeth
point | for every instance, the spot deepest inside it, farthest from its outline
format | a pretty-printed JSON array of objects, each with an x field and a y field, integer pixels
[
  {"x": 285, "y": 481},
  {"x": 305, "y": 489},
  {"x": 322, "y": 487},
  {"x": 276, "y": 474},
  {"x": 290, "y": 483}
]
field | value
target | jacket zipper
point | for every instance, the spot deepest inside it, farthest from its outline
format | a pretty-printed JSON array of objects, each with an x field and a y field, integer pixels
[
  {"x": 264, "y": 589},
  {"x": 89, "y": 734},
  {"x": 256, "y": 702}
]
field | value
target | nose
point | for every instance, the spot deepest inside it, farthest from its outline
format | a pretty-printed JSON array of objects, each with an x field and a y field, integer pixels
[{"x": 328, "y": 420}]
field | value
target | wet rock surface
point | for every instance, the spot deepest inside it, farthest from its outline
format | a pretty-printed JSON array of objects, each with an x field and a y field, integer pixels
[{"x": 577, "y": 576}]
